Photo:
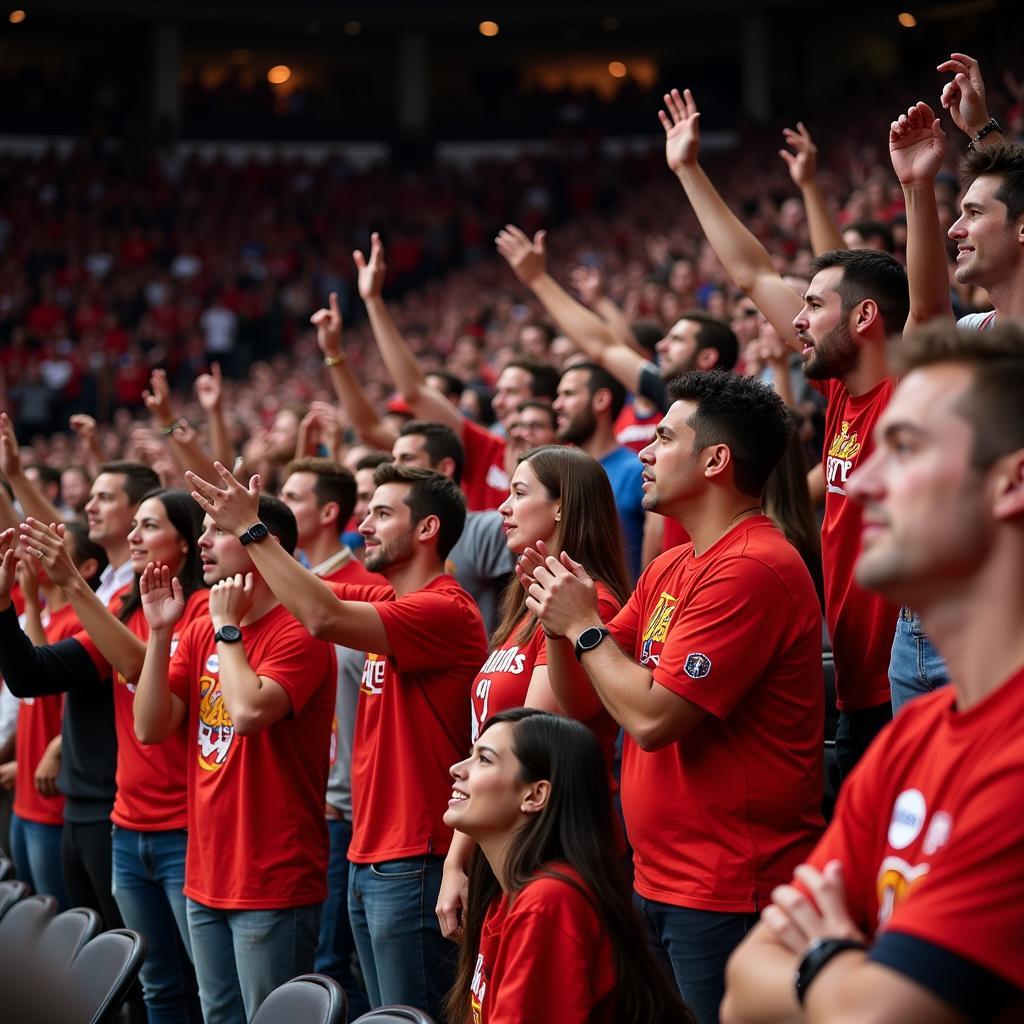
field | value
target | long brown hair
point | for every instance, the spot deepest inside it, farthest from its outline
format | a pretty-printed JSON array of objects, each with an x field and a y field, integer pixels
[
  {"x": 574, "y": 828},
  {"x": 589, "y": 529}
]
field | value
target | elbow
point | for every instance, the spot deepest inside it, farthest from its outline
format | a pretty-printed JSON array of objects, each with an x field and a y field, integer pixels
[
  {"x": 248, "y": 723},
  {"x": 651, "y": 735},
  {"x": 319, "y": 625},
  {"x": 147, "y": 734}
]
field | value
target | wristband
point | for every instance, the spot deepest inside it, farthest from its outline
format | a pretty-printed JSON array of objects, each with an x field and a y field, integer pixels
[
  {"x": 170, "y": 428},
  {"x": 992, "y": 125},
  {"x": 333, "y": 360},
  {"x": 818, "y": 954}
]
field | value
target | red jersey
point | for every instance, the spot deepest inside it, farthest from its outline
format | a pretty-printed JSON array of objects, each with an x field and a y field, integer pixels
[
  {"x": 350, "y": 570},
  {"x": 484, "y": 480},
  {"x": 545, "y": 955},
  {"x": 412, "y": 722},
  {"x": 635, "y": 431},
  {"x": 860, "y": 623},
  {"x": 39, "y": 721},
  {"x": 930, "y": 833},
  {"x": 256, "y": 833},
  {"x": 720, "y": 817},
  {"x": 152, "y": 781}
]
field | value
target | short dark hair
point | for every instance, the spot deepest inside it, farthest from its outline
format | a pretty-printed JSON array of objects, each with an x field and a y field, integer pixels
[
  {"x": 453, "y": 384},
  {"x": 544, "y": 407},
  {"x": 440, "y": 442},
  {"x": 47, "y": 474},
  {"x": 543, "y": 377},
  {"x": 713, "y": 333},
  {"x": 139, "y": 479},
  {"x": 870, "y": 228},
  {"x": 870, "y": 274},
  {"x": 280, "y": 521},
  {"x": 371, "y": 460},
  {"x": 599, "y": 378},
  {"x": 430, "y": 494},
  {"x": 739, "y": 412},
  {"x": 333, "y": 483},
  {"x": 538, "y": 325},
  {"x": 993, "y": 403},
  {"x": 1004, "y": 160},
  {"x": 646, "y": 333}
]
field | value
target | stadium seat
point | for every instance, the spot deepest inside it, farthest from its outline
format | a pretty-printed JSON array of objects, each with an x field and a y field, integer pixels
[
  {"x": 6, "y": 868},
  {"x": 11, "y": 892},
  {"x": 103, "y": 972},
  {"x": 66, "y": 934},
  {"x": 394, "y": 1015},
  {"x": 828, "y": 802},
  {"x": 310, "y": 998},
  {"x": 24, "y": 923}
]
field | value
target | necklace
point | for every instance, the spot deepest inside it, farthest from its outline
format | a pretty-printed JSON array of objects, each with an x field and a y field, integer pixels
[{"x": 753, "y": 508}]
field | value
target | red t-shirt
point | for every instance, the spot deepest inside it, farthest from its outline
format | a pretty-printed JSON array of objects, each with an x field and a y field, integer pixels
[
  {"x": 930, "y": 832},
  {"x": 720, "y": 817},
  {"x": 860, "y": 623},
  {"x": 484, "y": 480},
  {"x": 635, "y": 431},
  {"x": 152, "y": 781},
  {"x": 412, "y": 723},
  {"x": 256, "y": 833},
  {"x": 39, "y": 720},
  {"x": 545, "y": 957}
]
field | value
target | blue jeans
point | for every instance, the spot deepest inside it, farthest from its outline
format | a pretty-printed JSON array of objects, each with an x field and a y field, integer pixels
[
  {"x": 241, "y": 956},
  {"x": 915, "y": 667},
  {"x": 401, "y": 951},
  {"x": 35, "y": 849},
  {"x": 694, "y": 946},
  {"x": 336, "y": 950},
  {"x": 148, "y": 873}
]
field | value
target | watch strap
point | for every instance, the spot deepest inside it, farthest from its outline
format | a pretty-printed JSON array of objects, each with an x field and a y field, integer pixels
[
  {"x": 820, "y": 952},
  {"x": 579, "y": 649}
]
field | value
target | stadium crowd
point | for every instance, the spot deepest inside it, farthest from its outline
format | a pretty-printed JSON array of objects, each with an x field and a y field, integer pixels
[{"x": 472, "y": 653}]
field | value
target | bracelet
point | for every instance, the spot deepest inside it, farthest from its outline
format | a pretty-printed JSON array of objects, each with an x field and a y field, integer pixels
[
  {"x": 170, "y": 428},
  {"x": 992, "y": 125},
  {"x": 333, "y": 360}
]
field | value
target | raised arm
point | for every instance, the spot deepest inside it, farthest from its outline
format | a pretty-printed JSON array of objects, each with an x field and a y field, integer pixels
[
  {"x": 803, "y": 169},
  {"x": 85, "y": 430},
  {"x": 33, "y": 501},
  {"x": 399, "y": 360},
  {"x": 187, "y": 451},
  {"x": 917, "y": 146},
  {"x": 210, "y": 394},
  {"x": 361, "y": 414},
  {"x": 587, "y": 330},
  {"x": 745, "y": 259},
  {"x": 965, "y": 99},
  {"x": 354, "y": 624},
  {"x": 589, "y": 285}
]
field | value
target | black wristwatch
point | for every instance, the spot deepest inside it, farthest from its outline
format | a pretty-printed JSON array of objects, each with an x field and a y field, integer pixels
[
  {"x": 254, "y": 534},
  {"x": 589, "y": 639},
  {"x": 227, "y": 635},
  {"x": 818, "y": 954}
]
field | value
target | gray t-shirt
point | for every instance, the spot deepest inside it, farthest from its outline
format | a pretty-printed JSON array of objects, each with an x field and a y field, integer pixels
[
  {"x": 482, "y": 563},
  {"x": 977, "y": 321}
]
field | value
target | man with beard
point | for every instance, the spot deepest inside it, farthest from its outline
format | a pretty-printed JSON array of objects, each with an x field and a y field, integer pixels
[
  {"x": 588, "y": 403},
  {"x": 856, "y": 300},
  {"x": 426, "y": 642}
]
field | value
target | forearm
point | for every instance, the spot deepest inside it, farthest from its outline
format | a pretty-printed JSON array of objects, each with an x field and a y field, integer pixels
[
  {"x": 461, "y": 849},
  {"x": 927, "y": 271},
  {"x": 31, "y": 671},
  {"x": 759, "y": 983},
  {"x": 220, "y": 441},
  {"x": 8, "y": 515},
  {"x": 189, "y": 454},
  {"x": 782, "y": 383},
  {"x": 242, "y": 690},
  {"x": 583, "y": 326},
  {"x": 617, "y": 321},
  {"x": 33, "y": 502},
  {"x": 573, "y": 690},
  {"x": 116, "y": 642},
  {"x": 361, "y": 414},
  {"x": 824, "y": 232},
  {"x": 153, "y": 705},
  {"x": 34, "y": 623}
]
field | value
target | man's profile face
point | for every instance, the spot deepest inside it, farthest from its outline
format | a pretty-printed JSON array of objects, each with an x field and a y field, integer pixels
[
  {"x": 828, "y": 348},
  {"x": 677, "y": 351},
  {"x": 673, "y": 469},
  {"x": 109, "y": 511},
  {"x": 221, "y": 553},
  {"x": 574, "y": 408},
  {"x": 411, "y": 450},
  {"x": 388, "y": 529},
  {"x": 364, "y": 492},
  {"x": 510, "y": 391},
  {"x": 989, "y": 247},
  {"x": 298, "y": 494},
  {"x": 926, "y": 525}
]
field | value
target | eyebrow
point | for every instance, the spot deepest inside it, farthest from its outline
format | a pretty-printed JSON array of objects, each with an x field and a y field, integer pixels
[
  {"x": 381, "y": 506},
  {"x": 662, "y": 431},
  {"x": 490, "y": 750},
  {"x": 972, "y": 205},
  {"x": 889, "y": 430},
  {"x": 812, "y": 297}
]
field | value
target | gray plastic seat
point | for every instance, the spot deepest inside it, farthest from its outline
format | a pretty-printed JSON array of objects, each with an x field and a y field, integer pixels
[
  {"x": 310, "y": 998},
  {"x": 24, "y": 923},
  {"x": 394, "y": 1015},
  {"x": 65, "y": 935},
  {"x": 12, "y": 891},
  {"x": 101, "y": 974}
]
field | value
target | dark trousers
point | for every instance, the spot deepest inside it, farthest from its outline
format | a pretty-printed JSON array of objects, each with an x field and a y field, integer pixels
[{"x": 854, "y": 732}]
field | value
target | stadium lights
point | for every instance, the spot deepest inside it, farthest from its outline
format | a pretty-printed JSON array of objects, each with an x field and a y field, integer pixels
[
  {"x": 617, "y": 69},
  {"x": 16, "y": 17},
  {"x": 907, "y": 20},
  {"x": 488, "y": 28},
  {"x": 279, "y": 74}
]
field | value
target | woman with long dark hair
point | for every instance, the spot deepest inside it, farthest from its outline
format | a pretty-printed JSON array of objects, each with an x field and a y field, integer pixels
[
  {"x": 561, "y": 497},
  {"x": 550, "y": 931}
]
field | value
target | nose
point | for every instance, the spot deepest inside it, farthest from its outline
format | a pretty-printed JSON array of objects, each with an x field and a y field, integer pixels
[
  {"x": 505, "y": 508},
  {"x": 91, "y": 503},
  {"x": 646, "y": 455},
  {"x": 800, "y": 321},
  {"x": 865, "y": 482},
  {"x": 458, "y": 770},
  {"x": 958, "y": 228},
  {"x": 365, "y": 529}
]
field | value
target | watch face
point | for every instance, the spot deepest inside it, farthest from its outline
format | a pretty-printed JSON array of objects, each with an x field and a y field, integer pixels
[
  {"x": 228, "y": 634},
  {"x": 259, "y": 531},
  {"x": 591, "y": 637}
]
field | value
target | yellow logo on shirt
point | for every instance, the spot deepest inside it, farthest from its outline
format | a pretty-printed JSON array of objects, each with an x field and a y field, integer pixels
[
  {"x": 216, "y": 730},
  {"x": 657, "y": 627},
  {"x": 845, "y": 447}
]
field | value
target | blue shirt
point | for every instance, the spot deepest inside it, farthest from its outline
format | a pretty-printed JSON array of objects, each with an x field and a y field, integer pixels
[{"x": 625, "y": 471}]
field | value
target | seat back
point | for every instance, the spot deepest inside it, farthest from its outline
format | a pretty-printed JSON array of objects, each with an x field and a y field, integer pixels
[
  {"x": 6, "y": 868},
  {"x": 64, "y": 937},
  {"x": 394, "y": 1015},
  {"x": 310, "y": 998},
  {"x": 12, "y": 891},
  {"x": 23, "y": 924},
  {"x": 103, "y": 971}
]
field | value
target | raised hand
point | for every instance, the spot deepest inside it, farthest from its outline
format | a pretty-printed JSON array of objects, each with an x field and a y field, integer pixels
[
  {"x": 803, "y": 160},
  {"x": 232, "y": 507},
  {"x": 28, "y": 579},
  {"x": 210, "y": 389},
  {"x": 527, "y": 259},
  {"x": 163, "y": 600},
  {"x": 371, "y": 271},
  {"x": 158, "y": 398},
  {"x": 917, "y": 145},
  {"x": 231, "y": 599},
  {"x": 328, "y": 321},
  {"x": 8, "y": 567},
  {"x": 964, "y": 95},
  {"x": 310, "y": 434},
  {"x": 682, "y": 129},
  {"x": 331, "y": 430},
  {"x": 84, "y": 427},
  {"x": 589, "y": 283},
  {"x": 46, "y": 545},
  {"x": 10, "y": 455},
  {"x": 563, "y": 597}
]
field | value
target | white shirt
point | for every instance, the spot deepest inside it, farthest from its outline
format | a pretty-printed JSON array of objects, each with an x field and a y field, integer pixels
[{"x": 112, "y": 580}]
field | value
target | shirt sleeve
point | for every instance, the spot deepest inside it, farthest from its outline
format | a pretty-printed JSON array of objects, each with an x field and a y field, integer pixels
[
  {"x": 179, "y": 670},
  {"x": 722, "y": 641},
  {"x": 297, "y": 663},
  {"x": 652, "y": 387},
  {"x": 625, "y": 627},
  {"x": 425, "y": 628}
]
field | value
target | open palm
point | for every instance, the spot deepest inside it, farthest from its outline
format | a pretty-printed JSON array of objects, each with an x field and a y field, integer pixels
[
  {"x": 917, "y": 145},
  {"x": 163, "y": 601},
  {"x": 682, "y": 129}
]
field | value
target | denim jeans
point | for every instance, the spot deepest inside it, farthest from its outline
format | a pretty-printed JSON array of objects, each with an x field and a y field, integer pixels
[
  {"x": 694, "y": 946},
  {"x": 854, "y": 732},
  {"x": 401, "y": 951},
  {"x": 148, "y": 873},
  {"x": 35, "y": 849},
  {"x": 241, "y": 956},
  {"x": 916, "y": 667},
  {"x": 336, "y": 951}
]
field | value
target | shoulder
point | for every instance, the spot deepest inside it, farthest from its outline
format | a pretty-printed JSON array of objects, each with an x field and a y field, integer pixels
[
  {"x": 557, "y": 893},
  {"x": 975, "y": 321}
]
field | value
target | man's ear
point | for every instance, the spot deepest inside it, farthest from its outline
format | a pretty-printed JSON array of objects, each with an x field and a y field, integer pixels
[
  {"x": 717, "y": 461},
  {"x": 428, "y": 528},
  {"x": 707, "y": 359},
  {"x": 446, "y": 467},
  {"x": 600, "y": 400},
  {"x": 328, "y": 512},
  {"x": 1009, "y": 494},
  {"x": 536, "y": 797},
  {"x": 866, "y": 316}
]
